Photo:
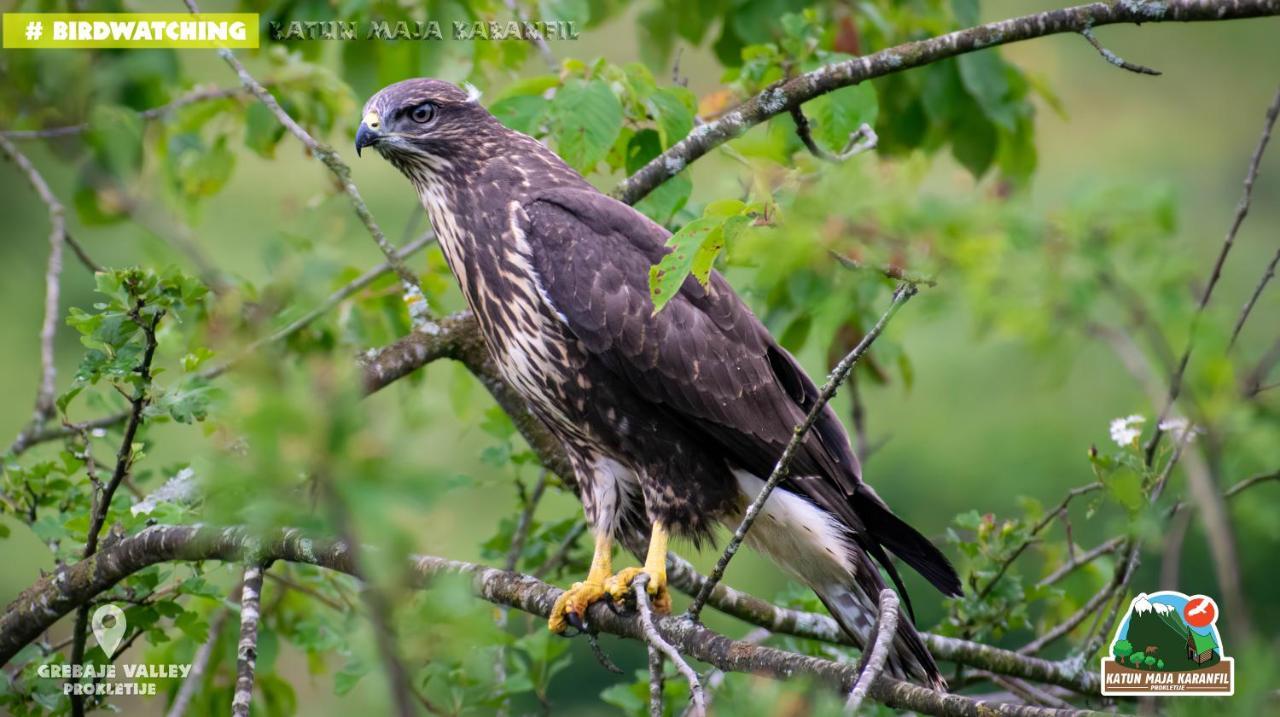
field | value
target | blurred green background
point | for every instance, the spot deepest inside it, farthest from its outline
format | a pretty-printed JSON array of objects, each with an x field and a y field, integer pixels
[{"x": 990, "y": 417}]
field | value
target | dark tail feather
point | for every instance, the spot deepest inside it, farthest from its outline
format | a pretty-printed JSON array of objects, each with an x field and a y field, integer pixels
[
  {"x": 906, "y": 542},
  {"x": 855, "y": 608}
]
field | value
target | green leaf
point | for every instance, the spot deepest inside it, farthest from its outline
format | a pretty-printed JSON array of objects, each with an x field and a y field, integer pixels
[
  {"x": 262, "y": 130},
  {"x": 115, "y": 134},
  {"x": 522, "y": 113},
  {"x": 839, "y": 114},
  {"x": 973, "y": 142},
  {"x": 350, "y": 674},
  {"x": 588, "y": 118},
  {"x": 983, "y": 75},
  {"x": 689, "y": 246},
  {"x": 673, "y": 108}
]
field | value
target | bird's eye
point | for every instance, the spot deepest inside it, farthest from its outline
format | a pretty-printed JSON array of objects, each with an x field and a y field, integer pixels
[{"x": 423, "y": 113}]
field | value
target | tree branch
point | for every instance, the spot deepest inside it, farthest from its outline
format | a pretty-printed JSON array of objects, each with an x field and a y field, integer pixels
[
  {"x": 1115, "y": 59},
  {"x": 412, "y": 288},
  {"x": 873, "y": 661},
  {"x": 247, "y": 648},
  {"x": 54, "y": 595},
  {"x": 1242, "y": 210},
  {"x": 697, "y": 700},
  {"x": 199, "y": 664},
  {"x": 207, "y": 94},
  {"x": 802, "y": 88},
  {"x": 52, "y": 278}
]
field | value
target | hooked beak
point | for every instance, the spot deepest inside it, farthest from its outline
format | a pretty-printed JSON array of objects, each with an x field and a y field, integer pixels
[{"x": 369, "y": 132}]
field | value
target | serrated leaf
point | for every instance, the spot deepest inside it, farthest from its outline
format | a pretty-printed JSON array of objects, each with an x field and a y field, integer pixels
[
  {"x": 673, "y": 109},
  {"x": 522, "y": 113},
  {"x": 588, "y": 119}
]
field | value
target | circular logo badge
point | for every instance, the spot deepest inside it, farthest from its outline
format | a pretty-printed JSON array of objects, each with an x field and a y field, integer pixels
[{"x": 1200, "y": 611}]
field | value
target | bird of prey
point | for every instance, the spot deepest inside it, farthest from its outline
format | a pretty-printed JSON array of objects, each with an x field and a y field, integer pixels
[{"x": 671, "y": 420}]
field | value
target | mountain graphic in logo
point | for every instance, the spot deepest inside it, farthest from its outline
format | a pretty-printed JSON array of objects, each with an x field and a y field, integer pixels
[{"x": 1168, "y": 644}]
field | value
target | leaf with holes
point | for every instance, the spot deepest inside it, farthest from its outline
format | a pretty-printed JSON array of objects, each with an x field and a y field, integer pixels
[{"x": 693, "y": 251}]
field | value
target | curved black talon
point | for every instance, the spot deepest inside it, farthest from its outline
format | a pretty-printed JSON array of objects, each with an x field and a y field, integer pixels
[{"x": 576, "y": 621}]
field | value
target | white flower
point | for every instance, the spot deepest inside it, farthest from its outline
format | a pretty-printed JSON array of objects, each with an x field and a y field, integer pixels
[
  {"x": 1125, "y": 431},
  {"x": 181, "y": 488},
  {"x": 1180, "y": 429}
]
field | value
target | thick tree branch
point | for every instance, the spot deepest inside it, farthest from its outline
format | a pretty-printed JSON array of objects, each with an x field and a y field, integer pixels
[
  {"x": 802, "y": 88},
  {"x": 247, "y": 647},
  {"x": 54, "y": 595}
]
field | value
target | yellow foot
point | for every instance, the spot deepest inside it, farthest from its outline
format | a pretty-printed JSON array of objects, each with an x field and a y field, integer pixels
[
  {"x": 619, "y": 587},
  {"x": 570, "y": 609}
]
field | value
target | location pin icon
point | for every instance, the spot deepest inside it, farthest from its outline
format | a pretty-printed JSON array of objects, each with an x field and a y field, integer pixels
[{"x": 108, "y": 636}]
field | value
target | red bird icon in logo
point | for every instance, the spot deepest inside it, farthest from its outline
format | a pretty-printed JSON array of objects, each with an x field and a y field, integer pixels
[{"x": 1200, "y": 611}]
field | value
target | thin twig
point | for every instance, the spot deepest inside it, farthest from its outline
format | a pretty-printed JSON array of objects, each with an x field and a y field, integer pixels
[
  {"x": 377, "y": 604},
  {"x": 535, "y": 37},
  {"x": 697, "y": 699},
  {"x": 52, "y": 278},
  {"x": 324, "y": 307},
  {"x": 1267, "y": 276},
  {"x": 247, "y": 648},
  {"x": 86, "y": 260},
  {"x": 197, "y": 95},
  {"x": 124, "y": 462},
  {"x": 1250, "y": 482},
  {"x": 1242, "y": 210},
  {"x": 412, "y": 287},
  {"x": 780, "y": 470},
  {"x": 525, "y": 521},
  {"x": 199, "y": 663},
  {"x": 1028, "y": 692},
  {"x": 1081, "y": 560},
  {"x": 861, "y": 140},
  {"x": 889, "y": 270},
  {"x": 1060, "y": 510},
  {"x": 873, "y": 662},
  {"x": 559, "y": 557},
  {"x": 308, "y": 591},
  {"x": 1115, "y": 59},
  {"x": 1253, "y": 298}
]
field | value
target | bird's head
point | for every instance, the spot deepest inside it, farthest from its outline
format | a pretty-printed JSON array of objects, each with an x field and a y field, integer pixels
[{"x": 420, "y": 120}]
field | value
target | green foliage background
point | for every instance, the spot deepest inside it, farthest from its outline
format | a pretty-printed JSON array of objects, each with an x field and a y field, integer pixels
[{"x": 982, "y": 402}]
